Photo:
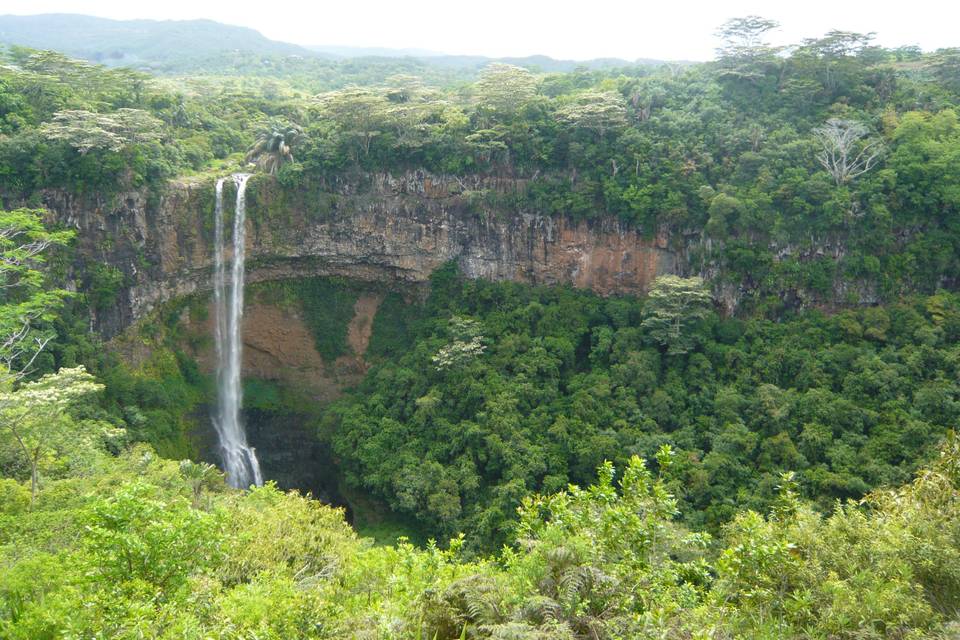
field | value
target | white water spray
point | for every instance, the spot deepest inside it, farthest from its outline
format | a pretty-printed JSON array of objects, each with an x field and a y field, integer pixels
[{"x": 239, "y": 460}]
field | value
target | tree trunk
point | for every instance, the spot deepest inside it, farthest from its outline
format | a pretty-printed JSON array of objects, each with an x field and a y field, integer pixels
[{"x": 34, "y": 481}]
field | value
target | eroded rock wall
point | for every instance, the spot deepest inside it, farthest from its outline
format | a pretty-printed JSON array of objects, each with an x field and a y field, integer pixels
[{"x": 379, "y": 228}]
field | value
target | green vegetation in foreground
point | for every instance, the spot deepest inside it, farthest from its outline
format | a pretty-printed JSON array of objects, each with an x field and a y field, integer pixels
[{"x": 133, "y": 546}]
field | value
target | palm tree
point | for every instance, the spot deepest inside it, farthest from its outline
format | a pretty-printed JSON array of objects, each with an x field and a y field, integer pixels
[
  {"x": 274, "y": 146},
  {"x": 200, "y": 475}
]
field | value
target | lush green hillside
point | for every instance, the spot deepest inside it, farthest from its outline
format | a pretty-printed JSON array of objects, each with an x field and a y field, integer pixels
[
  {"x": 765, "y": 439},
  {"x": 725, "y": 159},
  {"x": 144, "y": 44},
  {"x": 209, "y": 48}
]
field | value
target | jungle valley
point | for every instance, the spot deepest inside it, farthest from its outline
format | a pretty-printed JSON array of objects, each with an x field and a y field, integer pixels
[{"x": 303, "y": 346}]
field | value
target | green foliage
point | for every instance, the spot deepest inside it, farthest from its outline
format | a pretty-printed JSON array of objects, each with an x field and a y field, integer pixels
[
  {"x": 85, "y": 131},
  {"x": 134, "y": 557},
  {"x": 36, "y": 417},
  {"x": 672, "y": 305},
  {"x": 855, "y": 573},
  {"x": 88, "y": 129},
  {"x": 105, "y": 284},
  {"x": 466, "y": 343},
  {"x": 393, "y": 327},
  {"x": 27, "y": 308},
  {"x": 159, "y": 397},
  {"x": 764, "y": 169},
  {"x": 273, "y": 147},
  {"x": 503, "y": 89},
  {"x": 566, "y": 380},
  {"x": 136, "y": 535},
  {"x": 799, "y": 176}
]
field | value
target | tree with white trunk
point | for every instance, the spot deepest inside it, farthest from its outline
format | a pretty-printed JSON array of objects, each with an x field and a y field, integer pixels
[
  {"x": 846, "y": 149},
  {"x": 26, "y": 305},
  {"x": 37, "y": 417}
]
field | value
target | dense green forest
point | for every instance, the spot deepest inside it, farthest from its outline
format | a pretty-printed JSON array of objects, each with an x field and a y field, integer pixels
[
  {"x": 564, "y": 380},
  {"x": 760, "y": 447}
]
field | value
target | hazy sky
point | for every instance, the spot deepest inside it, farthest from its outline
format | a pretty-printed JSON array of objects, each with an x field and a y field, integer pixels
[{"x": 584, "y": 29}]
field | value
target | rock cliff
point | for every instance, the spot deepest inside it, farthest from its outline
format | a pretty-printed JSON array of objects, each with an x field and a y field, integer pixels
[{"x": 380, "y": 227}]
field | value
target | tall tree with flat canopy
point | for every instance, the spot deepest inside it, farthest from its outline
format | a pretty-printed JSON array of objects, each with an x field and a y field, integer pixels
[
  {"x": 745, "y": 53},
  {"x": 86, "y": 130},
  {"x": 360, "y": 115},
  {"x": 502, "y": 90},
  {"x": 674, "y": 303},
  {"x": 36, "y": 416},
  {"x": 596, "y": 111}
]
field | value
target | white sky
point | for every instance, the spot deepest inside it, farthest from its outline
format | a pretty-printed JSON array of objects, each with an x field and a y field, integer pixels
[{"x": 630, "y": 29}]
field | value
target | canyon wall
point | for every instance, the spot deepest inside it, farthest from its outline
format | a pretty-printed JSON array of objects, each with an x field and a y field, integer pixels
[{"x": 378, "y": 228}]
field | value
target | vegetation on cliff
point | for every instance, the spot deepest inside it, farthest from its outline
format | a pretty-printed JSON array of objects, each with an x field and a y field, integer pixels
[{"x": 826, "y": 173}]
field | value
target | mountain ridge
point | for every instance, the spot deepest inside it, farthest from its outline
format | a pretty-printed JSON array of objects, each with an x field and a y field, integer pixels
[
  {"x": 142, "y": 43},
  {"x": 177, "y": 46}
]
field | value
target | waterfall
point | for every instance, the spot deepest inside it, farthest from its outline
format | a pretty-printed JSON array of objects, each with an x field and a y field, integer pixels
[{"x": 239, "y": 460}]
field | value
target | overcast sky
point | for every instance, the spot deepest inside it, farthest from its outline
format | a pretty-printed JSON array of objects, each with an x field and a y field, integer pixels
[{"x": 628, "y": 29}]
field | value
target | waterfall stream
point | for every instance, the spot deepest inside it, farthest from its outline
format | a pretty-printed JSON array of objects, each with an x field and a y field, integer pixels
[{"x": 239, "y": 459}]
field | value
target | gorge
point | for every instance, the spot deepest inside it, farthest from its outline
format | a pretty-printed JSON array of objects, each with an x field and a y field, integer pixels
[
  {"x": 367, "y": 348},
  {"x": 379, "y": 235}
]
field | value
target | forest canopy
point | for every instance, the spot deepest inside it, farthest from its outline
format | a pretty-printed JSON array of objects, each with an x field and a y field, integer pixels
[{"x": 786, "y": 171}]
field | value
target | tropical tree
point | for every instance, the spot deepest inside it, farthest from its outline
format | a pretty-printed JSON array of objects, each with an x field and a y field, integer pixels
[
  {"x": 140, "y": 534},
  {"x": 597, "y": 111},
  {"x": 745, "y": 53},
  {"x": 274, "y": 146},
  {"x": 672, "y": 305},
  {"x": 846, "y": 150},
  {"x": 200, "y": 476},
  {"x": 360, "y": 116},
  {"x": 466, "y": 344},
  {"x": 502, "y": 90},
  {"x": 37, "y": 417},
  {"x": 24, "y": 305},
  {"x": 86, "y": 130},
  {"x": 945, "y": 65}
]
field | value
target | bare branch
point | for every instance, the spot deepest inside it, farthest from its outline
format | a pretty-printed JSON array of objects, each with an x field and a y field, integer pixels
[{"x": 846, "y": 151}]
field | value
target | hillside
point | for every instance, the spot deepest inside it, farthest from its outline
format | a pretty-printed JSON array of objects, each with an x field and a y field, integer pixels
[
  {"x": 144, "y": 44},
  {"x": 210, "y": 47}
]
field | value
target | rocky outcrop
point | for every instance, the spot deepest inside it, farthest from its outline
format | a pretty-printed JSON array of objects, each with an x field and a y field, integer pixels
[
  {"x": 379, "y": 228},
  {"x": 278, "y": 346}
]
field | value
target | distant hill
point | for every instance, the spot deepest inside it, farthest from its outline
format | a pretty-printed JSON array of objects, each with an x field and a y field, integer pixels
[
  {"x": 465, "y": 62},
  {"x": 147, "y": 44},
  {"x": 207, "y": 46},
  {"x": 341, "y": 51},
  {"x": 538, "y": 63}
]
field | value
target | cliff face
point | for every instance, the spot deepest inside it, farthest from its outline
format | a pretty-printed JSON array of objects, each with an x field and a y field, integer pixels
[{"x": 382, "y": 228}]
